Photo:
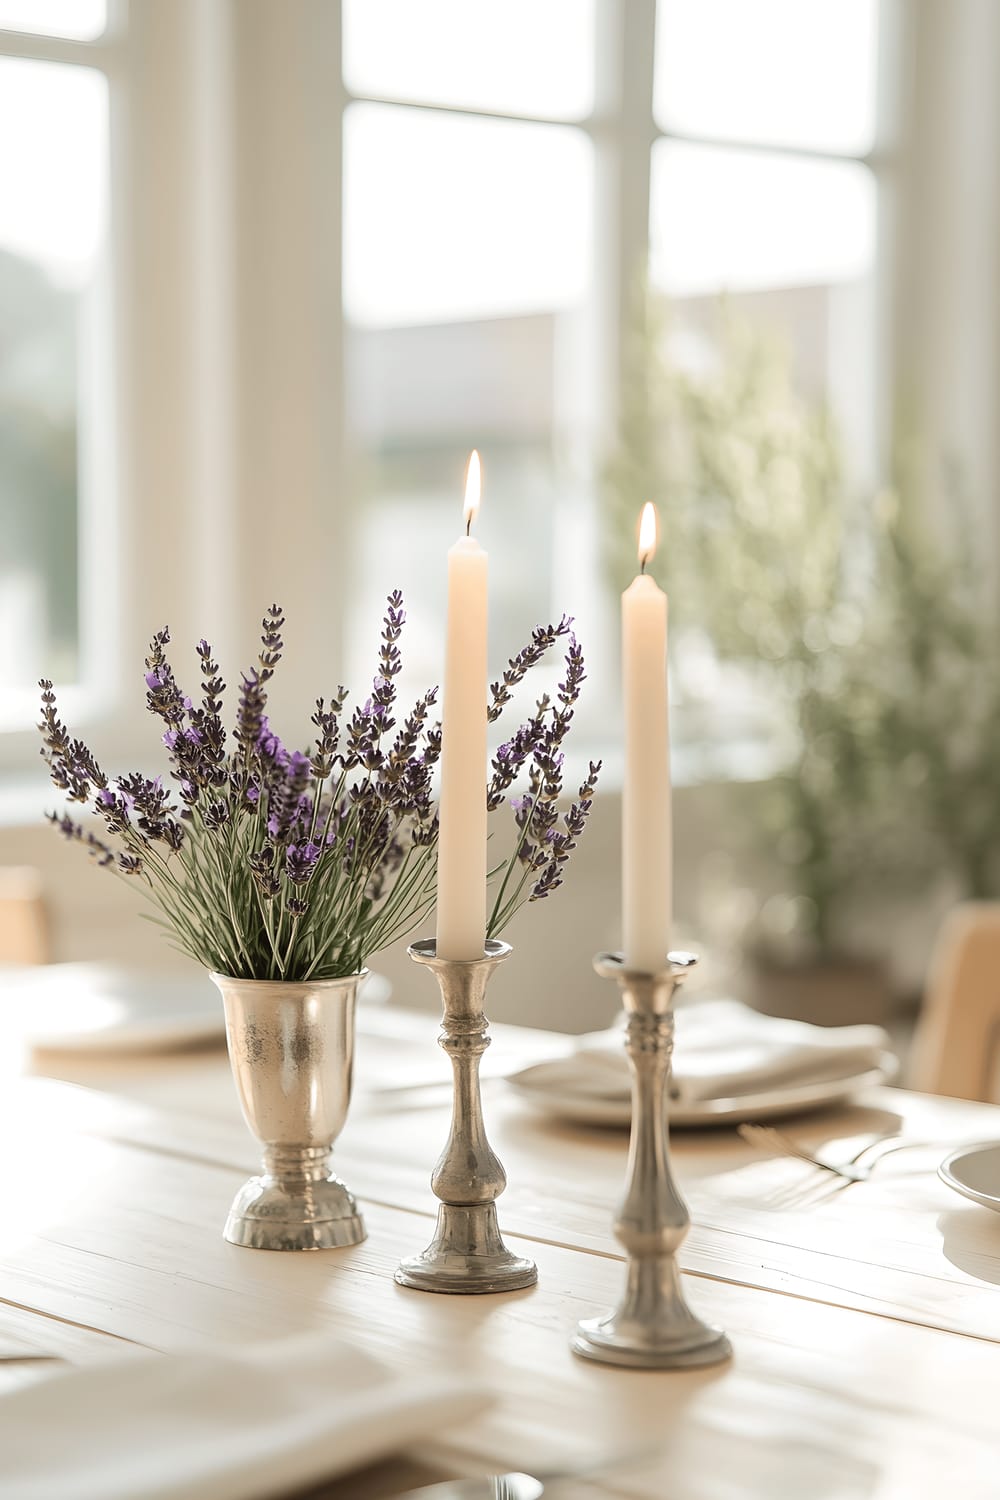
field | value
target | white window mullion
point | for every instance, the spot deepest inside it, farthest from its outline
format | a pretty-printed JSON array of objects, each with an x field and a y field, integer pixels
[{"x": 624, "y": 134}]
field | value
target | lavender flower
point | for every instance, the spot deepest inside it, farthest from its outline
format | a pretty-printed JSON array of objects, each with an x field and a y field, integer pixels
[
  {"x": 561, "y": 843},
  {"x": 271, "y": 861},
  {"x": 253, "y": 694},
  {"x": 510, "y": 759},
  {"x": 543, "y": 842},
  {"x": 96, "y": 848},
  {"x": 327, "y": 721},
  {"x": 267, "y": 860},
  {"x": 72, "y": 767},
  {"x": 542, "y": 637},
  {"x": 163, "y": 696},
  {"x": 300, "y": 862},
  {"x": 206, "y": 720}
]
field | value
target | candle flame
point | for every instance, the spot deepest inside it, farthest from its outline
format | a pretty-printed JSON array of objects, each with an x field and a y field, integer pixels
[
  {"x": 473, "y": 488},
  {"x": 649, "y": 533}
]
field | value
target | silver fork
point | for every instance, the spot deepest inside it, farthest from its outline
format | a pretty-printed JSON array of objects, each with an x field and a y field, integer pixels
[{"x": 776, "y": 1143}]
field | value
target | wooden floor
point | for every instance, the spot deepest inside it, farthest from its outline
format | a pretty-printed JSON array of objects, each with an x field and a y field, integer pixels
[{"x": 866, "y": 1322}]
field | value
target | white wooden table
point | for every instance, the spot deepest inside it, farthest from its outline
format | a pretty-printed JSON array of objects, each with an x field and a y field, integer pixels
[{"x": 866, "y": 1323}]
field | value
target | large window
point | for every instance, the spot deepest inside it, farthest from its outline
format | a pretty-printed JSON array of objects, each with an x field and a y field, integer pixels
[
  {"x": 762, "y": 189},
  {"x": 468, "y": 247},
  {"x": 510, "y": 171},
  {"x": 53, "y": 216}
]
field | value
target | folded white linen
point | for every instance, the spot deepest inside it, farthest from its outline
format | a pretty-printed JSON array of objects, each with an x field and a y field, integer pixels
[
  {"x": 237, "y": 1424},
  {"x": 723, "y": 1050}
]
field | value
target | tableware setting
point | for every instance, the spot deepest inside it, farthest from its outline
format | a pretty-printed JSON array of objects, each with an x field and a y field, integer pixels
[
  {"x": 92, "y": 1007},
  {"x": 855, "y": 1168},
  {"x": 974, "y": 1172},
  {"x": 731, "y": 1064}
]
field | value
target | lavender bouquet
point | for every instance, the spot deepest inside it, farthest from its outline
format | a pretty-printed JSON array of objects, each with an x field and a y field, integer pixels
[{"x": 269, "y": 863}]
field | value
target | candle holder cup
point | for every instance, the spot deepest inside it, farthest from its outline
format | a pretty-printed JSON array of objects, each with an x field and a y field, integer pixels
[
  {"x": 467, "y": 1253},
  {"x": 652, "y": 1327}
]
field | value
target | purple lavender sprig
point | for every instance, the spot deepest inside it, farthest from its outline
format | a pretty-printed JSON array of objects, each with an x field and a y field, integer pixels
[
  {"x": 562, "y": 841},
  {"x": 267, "y": 861},
  {"x": 253, "y": 687},
  {"x": 72, "y": 767},
  {"x": 544, "y": 839},
  {"x": 270, "y": 862},
  {"x": 542, "y": 637}
]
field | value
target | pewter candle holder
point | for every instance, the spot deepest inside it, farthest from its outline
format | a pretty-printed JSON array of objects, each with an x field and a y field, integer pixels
[
  {"x": 652, "y": 1327},
  {"x": 467, "y": 1253}
]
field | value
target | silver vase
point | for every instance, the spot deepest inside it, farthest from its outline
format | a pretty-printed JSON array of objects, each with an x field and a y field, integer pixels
[{"x": 291, "y": 1049}]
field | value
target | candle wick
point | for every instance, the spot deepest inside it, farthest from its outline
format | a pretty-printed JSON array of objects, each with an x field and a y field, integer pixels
[
  {"x": 642, "y": 564},
  {"x": 468, "y": 524}
]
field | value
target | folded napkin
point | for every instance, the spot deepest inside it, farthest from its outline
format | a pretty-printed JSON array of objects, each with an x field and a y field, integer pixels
[
  {"x": 723, "y": 1050},
  {"x": 238, "y": 1424}
]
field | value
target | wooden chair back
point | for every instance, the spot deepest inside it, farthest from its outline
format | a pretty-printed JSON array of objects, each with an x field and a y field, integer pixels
[
  {"x": 956, "y": 1049},
  {"x": 24, "y": 935}
]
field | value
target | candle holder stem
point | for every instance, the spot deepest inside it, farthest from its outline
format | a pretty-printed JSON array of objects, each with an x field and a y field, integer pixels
[
  {"x": 467, "y": 1253},
  {"x": 652, "y": 1327}
]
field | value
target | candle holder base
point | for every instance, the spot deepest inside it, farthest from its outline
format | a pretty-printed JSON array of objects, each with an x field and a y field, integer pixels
[
  {"x": 652, "y": 1328},
  {"x": 467, "y": 1254},
  {"x": 675, "y": 1339},
  {"x": 594, "y": 1339}
]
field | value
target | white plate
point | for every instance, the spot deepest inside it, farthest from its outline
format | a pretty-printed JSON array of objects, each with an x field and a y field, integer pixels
[
  {"x": 93, "y": 1007},
  {"x": 583, "y": 1109},
  {"x": 974, "y": 1171}
]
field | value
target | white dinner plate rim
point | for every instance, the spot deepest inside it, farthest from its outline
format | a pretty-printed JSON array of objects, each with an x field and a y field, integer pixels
[
  {"x": 767, "y": 1104},
  {"x": 947, "y": 1175},
  {"x": 190, "y": 1026}
]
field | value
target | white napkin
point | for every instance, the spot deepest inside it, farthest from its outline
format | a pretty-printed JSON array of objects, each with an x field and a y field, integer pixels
[
  {"x": 723, "y": 1050},
  {"x": 239, "y": 1424}
]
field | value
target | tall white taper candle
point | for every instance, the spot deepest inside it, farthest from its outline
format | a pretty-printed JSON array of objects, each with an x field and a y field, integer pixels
[
  {"x": 646, "y": 820},
  {"x": 461, "y": 870}
]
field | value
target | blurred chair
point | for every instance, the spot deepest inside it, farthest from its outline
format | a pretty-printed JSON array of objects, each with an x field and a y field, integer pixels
[
  {"x": 956, "y": 1049},
  {"x": 23, "y": 927}
]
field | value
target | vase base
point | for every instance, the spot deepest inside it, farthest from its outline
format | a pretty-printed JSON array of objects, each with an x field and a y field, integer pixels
[
  {"x": 270, "y": 1215},
  {"x": 692, "y": 1346}
]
